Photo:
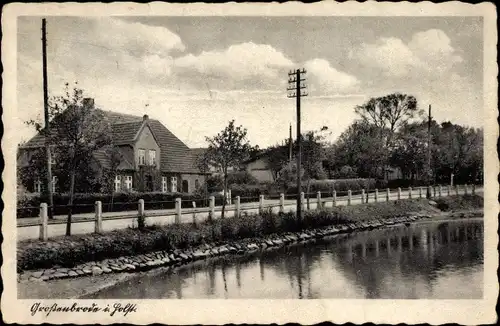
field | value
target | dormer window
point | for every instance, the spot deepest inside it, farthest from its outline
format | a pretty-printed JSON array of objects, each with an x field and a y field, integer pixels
[
  {"x": 152, "y": 157},
  {"x": 142, "y": 157}
]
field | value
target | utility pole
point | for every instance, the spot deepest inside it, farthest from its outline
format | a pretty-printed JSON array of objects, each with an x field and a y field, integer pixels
[
  {"x": 290, "y": 145},
  {"x": 429, "y": 173},
  {"x": 294, "y": 77},
  {"x": 46, "y": 115}
]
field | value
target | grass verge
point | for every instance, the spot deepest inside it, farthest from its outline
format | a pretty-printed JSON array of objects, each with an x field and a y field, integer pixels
[{"x": 73, "y": 250}]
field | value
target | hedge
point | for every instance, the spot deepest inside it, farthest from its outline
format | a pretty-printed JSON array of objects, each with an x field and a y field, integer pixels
[
  {"x": 340, "y": 185},
  {"x": 29, "y": 205}
]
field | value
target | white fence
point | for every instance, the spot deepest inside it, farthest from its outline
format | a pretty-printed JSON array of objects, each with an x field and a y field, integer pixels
[{"x": 42, "y": 228}]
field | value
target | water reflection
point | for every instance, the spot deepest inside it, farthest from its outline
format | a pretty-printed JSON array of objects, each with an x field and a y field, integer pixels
[{"x": 432, "y": 260}]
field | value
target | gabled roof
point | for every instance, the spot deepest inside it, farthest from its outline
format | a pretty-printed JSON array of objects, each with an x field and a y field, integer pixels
[
  {"x": 126, "y": 132},
  {"x": 103, "y": 156},
  {"x": 175, "y": 156},
  {"x": 261, "y": 154}
]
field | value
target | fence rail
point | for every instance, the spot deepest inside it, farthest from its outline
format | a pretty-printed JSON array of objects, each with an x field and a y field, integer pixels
[{"x": 98, "y": 222}]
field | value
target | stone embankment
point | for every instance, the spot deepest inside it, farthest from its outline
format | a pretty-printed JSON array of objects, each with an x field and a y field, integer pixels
[{"x": 179, "y": 257}]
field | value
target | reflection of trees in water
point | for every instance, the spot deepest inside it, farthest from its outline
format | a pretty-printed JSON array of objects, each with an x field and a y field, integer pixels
[
  {"x": 374, "y": 258},
  {"x": 295, "y": 263}
]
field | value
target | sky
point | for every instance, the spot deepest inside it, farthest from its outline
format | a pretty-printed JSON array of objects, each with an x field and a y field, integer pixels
[{"x": 194, "y": 74}]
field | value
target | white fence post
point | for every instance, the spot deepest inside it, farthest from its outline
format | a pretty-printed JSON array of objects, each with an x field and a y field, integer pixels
[
  {"x": 466, "y": 189},
  {"x": 334, "y": 198},
  {"x": 178, "y": 210},
  {"x": 362, "y": 196},
  {"x": 211, "y": 213},
  {"x": 318, "y": 197},
  {"x": 410, "y": 193},
  {"x": 434, "y": 191},
  {"x": 349, "y": 196},
  {"x": 387, "y": 194},
  {"x": 376, "y": 195},
  {"x": 237, "y": 205},
  {"x": 399, "y": 193},
  {"x": 302, "y": 201},
  {"x": 429, "y": 189},
  {"x": 440, "y": 191},
  {"x": 261, "y": 204},
  {"x": 282, "y": 203},
  {"x": 44, "y": 222},
  {"x": 194, "y": 212},
  {"x": 229, "y": 197},
  {"x": 98, "y": 217},
  {"x": 141, "y": 207}
]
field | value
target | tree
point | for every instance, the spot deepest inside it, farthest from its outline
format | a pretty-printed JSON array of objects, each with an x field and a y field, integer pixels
[
  {"x": 77, "y": 130},
  {"x": 457, "y": 150},
  {"x": 313, "y": 155},
  {"x": 287, "y": 176},
  {"x": 388, "y": 113},
  {"x": 359, "y": 148},
  {"x": 229, "y": 148}
]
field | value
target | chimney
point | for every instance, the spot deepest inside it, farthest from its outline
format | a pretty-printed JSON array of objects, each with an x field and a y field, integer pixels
[
  {"x": 88, "y": 102},
  {"x": 145, "y": 117}
]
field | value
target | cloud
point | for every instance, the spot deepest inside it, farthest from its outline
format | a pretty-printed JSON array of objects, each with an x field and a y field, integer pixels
[
  {"x": 322, "y": 77},
  {"x": 429, "y": 52},
  {"x": 239, "y": 61},
  {"x": 138, "y": 38}
]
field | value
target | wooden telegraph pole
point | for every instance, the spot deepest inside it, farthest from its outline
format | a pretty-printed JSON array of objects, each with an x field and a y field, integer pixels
[
  {"x": 46, "y": 115},
  {"x": 295, "y": 77},
  {"x": 429, "y": 144}
]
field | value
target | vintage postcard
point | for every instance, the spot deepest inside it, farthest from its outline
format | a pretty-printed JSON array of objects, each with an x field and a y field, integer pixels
[{"x": 250, "y": 163}]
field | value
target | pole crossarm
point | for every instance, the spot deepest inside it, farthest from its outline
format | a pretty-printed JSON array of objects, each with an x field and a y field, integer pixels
[{"x": 295, "y": 88}]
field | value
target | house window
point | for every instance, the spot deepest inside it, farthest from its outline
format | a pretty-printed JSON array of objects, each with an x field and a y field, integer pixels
[
  {"x": 173, "y": 182},
  {"x": 164, "y": 187},
  {"x": 118, "y": 183},
  {"x": 128, "y": 182},
  {"x": 54, "y": 183},
  {"x": 38, "y": 185},
  {"x": 152, "y": 157},
  {"x": 142, "y": 157},
  {"x": 185, "y": 186}
]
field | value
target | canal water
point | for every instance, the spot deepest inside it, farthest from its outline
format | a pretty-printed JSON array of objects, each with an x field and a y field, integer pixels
[{"x": 431, "y": 260}]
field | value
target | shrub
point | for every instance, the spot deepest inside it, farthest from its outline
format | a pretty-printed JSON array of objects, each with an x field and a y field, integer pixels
[
  {"x": 450, "y": 203},
  {"x": 241, "y": 178}
]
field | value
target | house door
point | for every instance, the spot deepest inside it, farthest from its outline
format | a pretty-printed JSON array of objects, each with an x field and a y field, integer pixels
[
  {"x": 185, "y": 186},
  {"x": 149, "y": 183}
]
